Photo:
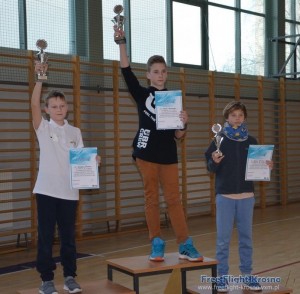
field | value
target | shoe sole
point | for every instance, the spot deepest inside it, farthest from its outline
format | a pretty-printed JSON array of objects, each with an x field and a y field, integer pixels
[
  {"x": 157, "y": 258},
  {"x": 72, "y": 291},
  {"x": 190, "y": 258},
  {"x": 42, "y": 292}
]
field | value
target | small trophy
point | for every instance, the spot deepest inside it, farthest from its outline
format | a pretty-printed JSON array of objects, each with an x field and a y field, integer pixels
[
  {"x": 42, "y": 57},
  {"x": 216, "y": 128},
  {"x": 118, "y": 21}
]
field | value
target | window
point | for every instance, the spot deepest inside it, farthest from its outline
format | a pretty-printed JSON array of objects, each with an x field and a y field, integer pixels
[
  {"x": 235, "y": 29},
  {"x": 9, "y": 24},
  {"x": 253, "y": 5},
  {"x": 187, "y": 37},
  {"x": 221, "y": 39},
  {"x": 252, "y": 44},
  {"x": 237, "y": 38},
  {"x": 49, "y": 20},
  {"x": 292, "y": 9},
  {"x": 224, "y": 2},
  {"x": 292, "y": 29},
  {"x": 148, "y": 29},
  {"x": 110, "y": 49}
]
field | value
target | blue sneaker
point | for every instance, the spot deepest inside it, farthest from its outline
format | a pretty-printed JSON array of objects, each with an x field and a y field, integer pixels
[
  {"x": 158, "y": 249},
  {"x": 251, "y": 283},
  {"x": 222, "y": 284},
  {"x": 188, "y": 251}
]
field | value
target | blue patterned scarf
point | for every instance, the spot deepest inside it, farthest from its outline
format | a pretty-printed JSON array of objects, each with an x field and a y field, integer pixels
[{"x": 237, "y": 134}]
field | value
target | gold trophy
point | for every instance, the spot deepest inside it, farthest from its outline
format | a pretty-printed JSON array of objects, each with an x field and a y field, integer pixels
[
  {"x": 216, "y": 129},
  {"x": 118, "y": 21},
  {"x": 42, "y": 57}
]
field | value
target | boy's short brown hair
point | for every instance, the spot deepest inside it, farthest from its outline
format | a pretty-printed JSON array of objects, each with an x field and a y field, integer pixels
[
  {"x": 155, "y": 59},
  {"x": 54, "y": 93},
  {"x": 232, "y": 106}
]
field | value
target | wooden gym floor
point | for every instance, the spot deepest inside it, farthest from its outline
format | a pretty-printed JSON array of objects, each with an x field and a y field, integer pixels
[{"x": 276, "y": 234}]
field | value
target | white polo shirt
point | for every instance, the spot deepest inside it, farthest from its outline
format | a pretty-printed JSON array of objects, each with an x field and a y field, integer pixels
[{"x": 54, "y": 169}]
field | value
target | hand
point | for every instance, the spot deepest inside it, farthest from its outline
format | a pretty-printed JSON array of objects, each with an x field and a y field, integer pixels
[
  {"x": 184, "y": 117},
  {"x": 217, "y": 157},
  {"x": 270, "y": 164},
  {"x": 40, "y": 67},
  {"x": 98, "y": 159}
]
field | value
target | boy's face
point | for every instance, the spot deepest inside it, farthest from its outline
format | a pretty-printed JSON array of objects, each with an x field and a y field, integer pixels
[
  {"x": 236, "y": 118},
  {"x": 157, "y": 75},
  {"x": 57, "y": 109}
]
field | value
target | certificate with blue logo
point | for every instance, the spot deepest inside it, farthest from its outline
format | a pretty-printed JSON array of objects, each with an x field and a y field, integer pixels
[
  {"x": 84, "y": 168},
  {"x": 168, "y": 105},
  {"x": 257, "y": 168}
]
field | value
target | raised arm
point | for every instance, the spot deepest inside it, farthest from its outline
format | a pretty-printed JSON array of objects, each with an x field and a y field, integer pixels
[
  {"x": 124, "y": 61},
  {"x": 36, "y": 98}
]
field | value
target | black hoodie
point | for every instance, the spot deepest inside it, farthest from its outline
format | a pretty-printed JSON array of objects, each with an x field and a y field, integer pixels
[{"x": 149, "y": 144}]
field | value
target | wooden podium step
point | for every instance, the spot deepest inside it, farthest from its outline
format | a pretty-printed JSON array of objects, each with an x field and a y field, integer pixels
[
  {"x": 268, "y": 288},
  {"x": 98, "y": 287},
  {"x": 141, "y": 266}
]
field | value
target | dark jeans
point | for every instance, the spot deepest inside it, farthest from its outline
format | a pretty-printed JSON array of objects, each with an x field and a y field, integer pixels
[{"x": 52, "y": 211}]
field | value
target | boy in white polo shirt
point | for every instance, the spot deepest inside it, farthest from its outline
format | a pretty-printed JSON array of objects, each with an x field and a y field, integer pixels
[{"x": 56, "y": 200}]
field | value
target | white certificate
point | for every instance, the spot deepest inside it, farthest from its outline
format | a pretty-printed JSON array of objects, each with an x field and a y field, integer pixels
[
  {"x": 84, "y": 168},
  {"x": 168, "y": 105},
  {"x": 257, "y": 168}
]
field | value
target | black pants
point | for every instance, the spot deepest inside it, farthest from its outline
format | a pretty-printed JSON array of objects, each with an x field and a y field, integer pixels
[{"x": 52, "y": 211}]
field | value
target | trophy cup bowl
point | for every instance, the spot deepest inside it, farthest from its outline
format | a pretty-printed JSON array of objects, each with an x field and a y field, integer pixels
[
  {"x": 42, "y": 57},
  {"x": 216, "y": 129},
  {"x": 118, "y": 9},
  {"x": 118, "y": 21}
]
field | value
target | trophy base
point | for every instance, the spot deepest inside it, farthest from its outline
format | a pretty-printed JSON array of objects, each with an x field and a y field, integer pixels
[{"x": 42, "y": 78}]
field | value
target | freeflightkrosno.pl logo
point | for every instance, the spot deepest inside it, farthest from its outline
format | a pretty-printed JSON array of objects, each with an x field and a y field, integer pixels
[
  {"x": 239, "y": 279},
  {"x": 240, "y": 282}
]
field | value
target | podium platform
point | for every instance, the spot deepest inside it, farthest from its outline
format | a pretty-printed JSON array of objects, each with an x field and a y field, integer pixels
[
  {"x": 268, "y": 288},
  {"x": 141, "y": 266},
  {"x": 99, "y": 287}
]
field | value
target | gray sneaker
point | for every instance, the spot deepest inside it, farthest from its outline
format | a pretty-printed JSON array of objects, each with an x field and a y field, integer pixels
[
  {"x": 71, "y": 285},
  {"x": 47, "y": 287}
]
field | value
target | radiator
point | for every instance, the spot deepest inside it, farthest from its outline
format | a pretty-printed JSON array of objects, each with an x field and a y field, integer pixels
[{"x": 6, "y": 195}]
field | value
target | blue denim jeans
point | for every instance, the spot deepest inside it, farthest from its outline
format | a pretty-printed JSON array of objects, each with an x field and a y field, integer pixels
[
  {"x": 51, "y": 212},
  {"x": 230, "y": 212}
]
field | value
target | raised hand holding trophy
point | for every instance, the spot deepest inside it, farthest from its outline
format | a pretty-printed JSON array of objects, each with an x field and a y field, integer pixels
[
  {"x": 118, "y": 21},
  {"x": 216, "y": 129},
  {"x": 42, "y": 57}
]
